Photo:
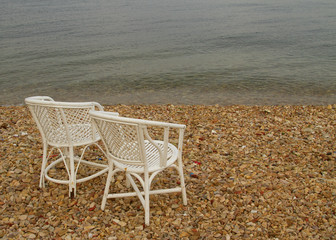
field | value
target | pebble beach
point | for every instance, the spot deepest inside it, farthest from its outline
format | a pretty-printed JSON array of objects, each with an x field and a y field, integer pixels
[{"x": 251, "y": 172}]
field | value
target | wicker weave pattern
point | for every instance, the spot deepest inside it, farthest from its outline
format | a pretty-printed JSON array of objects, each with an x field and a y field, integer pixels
[
  {"x": 65, "y": 126},
  {"x": 152, "y": 153},
  {"x": 121, "y": 140},
  {"x": 132, "y": 150},
  {"x": 56, "y": 121}
]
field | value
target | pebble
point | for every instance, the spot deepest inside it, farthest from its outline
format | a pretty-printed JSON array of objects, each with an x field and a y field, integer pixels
[{"x": 251, "y": 172}]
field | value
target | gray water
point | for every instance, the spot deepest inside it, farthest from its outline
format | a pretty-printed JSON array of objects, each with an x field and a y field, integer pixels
[{"x": 169, "y": 51}]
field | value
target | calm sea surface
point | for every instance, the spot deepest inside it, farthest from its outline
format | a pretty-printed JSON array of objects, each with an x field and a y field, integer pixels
[{"x": 169, "y": 51}]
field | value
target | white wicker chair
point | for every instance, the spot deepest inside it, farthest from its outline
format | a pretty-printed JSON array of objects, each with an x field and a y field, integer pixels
[
  {"x": 130, "y": 149},
  {"x": 65, "y": 126}
]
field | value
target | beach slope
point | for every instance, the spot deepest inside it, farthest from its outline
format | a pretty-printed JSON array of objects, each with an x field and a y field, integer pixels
[{"x": 255, "y": 172}]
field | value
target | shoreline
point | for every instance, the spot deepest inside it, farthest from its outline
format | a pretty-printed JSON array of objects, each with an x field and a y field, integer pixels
[
  {"x": 329, "y": 105},
  {"x": 251, "y": 172},
  {"x": 183, "y": 96}
]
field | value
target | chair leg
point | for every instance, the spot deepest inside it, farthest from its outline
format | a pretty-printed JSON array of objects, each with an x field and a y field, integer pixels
[
  {"x": 143, "y": 199},
  {"x": 183, "y": 188},
  {"x": 107, "y": 186},
  {"x": 146, "y": 191},
  {"x": 43, "y": 166},
  {"x": 72, "y": 177}
]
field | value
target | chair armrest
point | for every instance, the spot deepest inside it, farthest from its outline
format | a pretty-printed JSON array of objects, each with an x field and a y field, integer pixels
[
  {"x": 162, "y": 124},
  {"x": 104, "y": 115},
  {"x": 112, "y": 113}
]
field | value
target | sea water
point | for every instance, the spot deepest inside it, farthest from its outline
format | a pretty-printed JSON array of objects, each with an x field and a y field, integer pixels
[{"x": 169, "y": 51}]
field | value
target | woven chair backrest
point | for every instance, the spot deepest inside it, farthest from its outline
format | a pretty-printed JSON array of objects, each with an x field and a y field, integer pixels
[
  {"x": 63, "y": 123},
  {"x": 128, "y": 140},
  {"x": 122, "y": 140}
]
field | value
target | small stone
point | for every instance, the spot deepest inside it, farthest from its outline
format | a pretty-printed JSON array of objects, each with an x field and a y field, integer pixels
[
  {"x": 184, "y": 234},
  {"x": 139, "y": 228},
  {"x": 269, "y": 175},
  {"x": 308, "y": 130},
  {"x": 68, "y": 237},
  {"x": 177, "y": 221},
  {"x": 31, "y": 236},
  {"x": 87, "y": 228},
  {"x": 121, "y": 223},
  {"x": 23, "y": 217},
  {"x": 43, "y": 233},
  {"x": 175, "y": 206}
]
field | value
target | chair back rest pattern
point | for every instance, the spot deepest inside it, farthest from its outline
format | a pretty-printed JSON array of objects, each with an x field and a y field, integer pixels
[
  {"x": 62, "y": 123},
  {"x": 128, "y": 141},
  {"x": 122, "y": 139}
]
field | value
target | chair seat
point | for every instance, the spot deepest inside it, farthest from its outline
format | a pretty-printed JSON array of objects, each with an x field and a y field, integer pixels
[
  {"x": 153, "y": 158},
  {"x": 81, "y": 134}
]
